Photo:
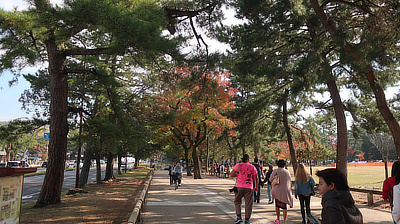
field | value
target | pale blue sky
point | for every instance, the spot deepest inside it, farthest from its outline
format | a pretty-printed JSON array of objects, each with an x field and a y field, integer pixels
[{"x": 10, "y": 107}]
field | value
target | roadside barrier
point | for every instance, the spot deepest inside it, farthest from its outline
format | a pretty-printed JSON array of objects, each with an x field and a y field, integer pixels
[{"x": 140, "y": 207}]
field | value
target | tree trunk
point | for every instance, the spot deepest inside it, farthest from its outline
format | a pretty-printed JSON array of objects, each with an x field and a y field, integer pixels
[
  {"x": 109, "y": 168},
  {"x": 288, "y": 133},
  {"x": 98, "y": 171},
  {"x": 119, "y": 164},
  {"x": 87, "y": 162},
  {"x": 53, "y": 181},
  {"x": 385, "y": 160},
  {"x": 136, "y": 163},
  {"x": 341, "y": 125},
  {"x": 188, "y": 173},
  {"x": 207, "y": 157},
  {"x": 196, "y": 164},
  {"x": 8, "y": 153}
]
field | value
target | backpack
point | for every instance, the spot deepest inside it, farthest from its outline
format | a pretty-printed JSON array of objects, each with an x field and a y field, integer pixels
[{"x": 258, "y": 172}]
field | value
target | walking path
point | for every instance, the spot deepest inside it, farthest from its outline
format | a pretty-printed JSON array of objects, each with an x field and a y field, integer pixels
[{"x": 208, "y": 200}]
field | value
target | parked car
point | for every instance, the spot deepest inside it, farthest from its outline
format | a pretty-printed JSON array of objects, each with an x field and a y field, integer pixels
[
  {"x": 44, "y": 164},
  {"x": 17, "y": 164},
  {"x": 3, "y": 164}
]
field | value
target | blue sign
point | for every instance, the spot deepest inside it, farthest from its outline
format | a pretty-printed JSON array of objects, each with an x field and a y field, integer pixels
[{"x": 46, "y": 135}]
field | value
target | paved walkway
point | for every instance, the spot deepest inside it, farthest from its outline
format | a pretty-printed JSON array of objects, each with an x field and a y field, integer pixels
[{"x": 208, "y": 200}]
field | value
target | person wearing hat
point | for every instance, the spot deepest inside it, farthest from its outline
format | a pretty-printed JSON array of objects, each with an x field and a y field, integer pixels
[{"x": 246, "y": 173}]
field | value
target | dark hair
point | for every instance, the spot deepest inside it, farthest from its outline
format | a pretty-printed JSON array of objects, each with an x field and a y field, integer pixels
[
  {"x": 396, "y": 172},
  {"x": 333, "y": 175},
  {"x": 281, "y": 163},
  {"x": 256, "y": 160},
  {"x": 245, "y": 158},
  {"x": 270, "y": 166},
  {"x": 395, "y": 168}
]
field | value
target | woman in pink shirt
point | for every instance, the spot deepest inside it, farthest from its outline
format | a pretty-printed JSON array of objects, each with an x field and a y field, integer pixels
[{"x": 245, "y": 173}]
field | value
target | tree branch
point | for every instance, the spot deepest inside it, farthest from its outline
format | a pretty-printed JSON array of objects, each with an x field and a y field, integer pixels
[{"x": 83, "y": 51}]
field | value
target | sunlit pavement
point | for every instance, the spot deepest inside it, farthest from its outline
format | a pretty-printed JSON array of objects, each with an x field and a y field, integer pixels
[{"x": 208, "y": 200}]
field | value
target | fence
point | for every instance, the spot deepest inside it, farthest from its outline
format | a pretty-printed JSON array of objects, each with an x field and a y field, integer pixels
[{"x": 140, "y": 207}]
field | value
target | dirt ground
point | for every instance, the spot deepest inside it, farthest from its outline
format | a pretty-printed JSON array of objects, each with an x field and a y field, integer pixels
[
  {"x": 379, "y": 203},
  {"x": 110, "y": 202}
]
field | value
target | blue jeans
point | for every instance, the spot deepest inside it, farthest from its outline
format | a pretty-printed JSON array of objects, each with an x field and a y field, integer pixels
[
  {"x": 269, "y": 187},
  {"x": 257, "y": 194}
]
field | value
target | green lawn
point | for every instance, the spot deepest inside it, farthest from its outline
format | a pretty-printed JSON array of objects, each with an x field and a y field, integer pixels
[{"x": 362, "y": 176}]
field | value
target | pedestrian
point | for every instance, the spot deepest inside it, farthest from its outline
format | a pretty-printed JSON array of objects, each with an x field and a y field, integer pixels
[
  {"x": 396, "y": 199},
  {"x": 389, "y": 183},
  {"x": 269, "y": 185},
  {"x": 222, "y": 171},
  {"x": 170, "y": 167},
  {"x": 303, "y": 188},
  {"x": 245, "y": 173},
  {"x": 337, "y": 203},
  {"x": 257, "y": 194},
  {"x": 281, "y": 190}
]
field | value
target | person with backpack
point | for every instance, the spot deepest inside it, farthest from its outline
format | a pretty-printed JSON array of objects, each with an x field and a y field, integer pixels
[
  {"x": 338, "y": 205},
  {"x": 303, "y": 189},
  {"x": 245, "y": 173},
  {"x": 257, "y": 194},
  {"x": 389, "y": 183}
]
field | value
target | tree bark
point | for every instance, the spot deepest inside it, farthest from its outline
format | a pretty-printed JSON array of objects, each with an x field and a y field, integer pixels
[
  {"x": 341, "y": 125},
  {"x": 98, "y": 171},
  {"x": 109, "y": 168},
  {"x": 207, "y": 157},
  {"x": 288, "y": 133},
  {"x": 196, "y": 164},
  {"x": 188, "y": 173},
  {"x": 87, "y": 161},
  {"x": 53, "y": 181}
]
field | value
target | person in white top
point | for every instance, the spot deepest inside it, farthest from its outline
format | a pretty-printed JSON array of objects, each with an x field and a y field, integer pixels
[
  {"x": 222, "y": 171},
  {"x": 396, "y": 199}
]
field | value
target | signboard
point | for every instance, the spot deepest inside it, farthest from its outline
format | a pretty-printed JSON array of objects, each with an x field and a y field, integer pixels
[
  {"x": 46, "y": 135},
  {"x": 10, "y": 199}
]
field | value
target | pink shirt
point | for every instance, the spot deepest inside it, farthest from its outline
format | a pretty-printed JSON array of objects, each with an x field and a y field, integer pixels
[{"x": 245, "y": 175}]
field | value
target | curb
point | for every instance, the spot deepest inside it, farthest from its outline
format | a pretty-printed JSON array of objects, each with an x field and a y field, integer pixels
[{"x": 136, "y": 215}]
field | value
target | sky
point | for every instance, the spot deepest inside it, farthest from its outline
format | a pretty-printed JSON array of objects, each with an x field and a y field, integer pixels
[{"x": 10, "y": 107}]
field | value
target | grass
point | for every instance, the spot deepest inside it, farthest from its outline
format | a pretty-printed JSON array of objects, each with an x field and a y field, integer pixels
[
  {"x": 110, "y": 202},
  {"x": 369, "y": 177}
]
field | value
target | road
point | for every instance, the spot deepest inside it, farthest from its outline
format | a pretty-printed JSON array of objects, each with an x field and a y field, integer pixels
[{"x": 33, "y": 184}]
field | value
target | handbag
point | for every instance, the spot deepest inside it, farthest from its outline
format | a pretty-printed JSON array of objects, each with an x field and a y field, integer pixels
[
  {"x": 234, "y": 189},
  {"x": 275, "y": 181},
  {"x": 312, "y": 188}
]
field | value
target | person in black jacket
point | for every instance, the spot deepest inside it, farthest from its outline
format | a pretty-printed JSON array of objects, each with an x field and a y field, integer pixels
[
  {"x": 269, "y": 184},
  {"x": 337, "y": 203}
]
